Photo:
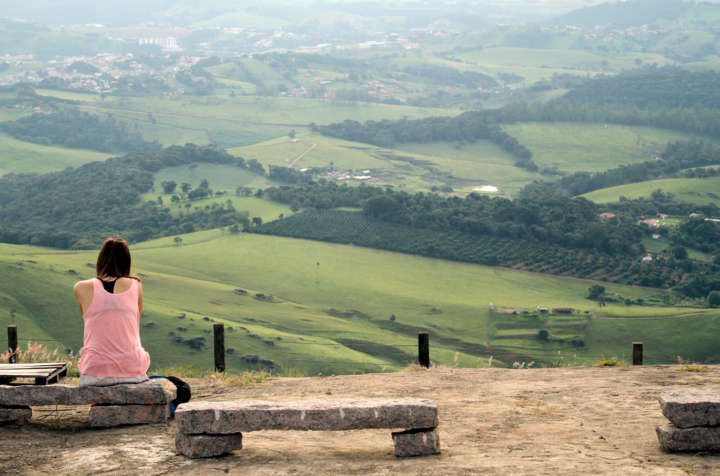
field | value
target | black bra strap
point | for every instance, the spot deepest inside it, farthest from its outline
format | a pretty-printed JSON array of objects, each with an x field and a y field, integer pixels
[{"x": 109, "y": 286}]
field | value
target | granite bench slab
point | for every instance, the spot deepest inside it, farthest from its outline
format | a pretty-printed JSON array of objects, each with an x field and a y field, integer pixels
[
  {"x": 210, "y": 429},
  {"x": 147, "y": 393},
  {"x": 691, "y": 408},
  {"x": 240, "y": 416}
]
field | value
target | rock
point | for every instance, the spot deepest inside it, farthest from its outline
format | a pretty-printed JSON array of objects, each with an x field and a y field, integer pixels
[
  {"x": 688, "y": 439},
  {"x": 329, "y": 415},
  {"x": 19, "y": 415},
  {"x": 207, "y": 446},
  {"x": 146, "y": 393},
  {"x": 106, "y": 416},
  {"x": 422, "y": 442},
  {"x": 687, "y": 409}
]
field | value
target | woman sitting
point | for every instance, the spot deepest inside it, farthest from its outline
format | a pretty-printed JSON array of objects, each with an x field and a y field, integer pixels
[{"x": 111, "y": 307}]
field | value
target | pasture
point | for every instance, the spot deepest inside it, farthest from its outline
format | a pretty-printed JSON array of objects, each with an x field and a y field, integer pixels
[
  {"x": 465, "y": 167},
  {"x": 311, "y": 307},
  {"x": 535, "y": 64},
  {"x": 241, "y": 120},
  {"x": 17, "y": 156},
  {"x": 590, "y": 147},
  {"x": 700, "y": 191}
]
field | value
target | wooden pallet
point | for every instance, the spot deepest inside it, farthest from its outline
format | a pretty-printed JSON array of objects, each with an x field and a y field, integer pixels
[{"x": 44, "y": 374}]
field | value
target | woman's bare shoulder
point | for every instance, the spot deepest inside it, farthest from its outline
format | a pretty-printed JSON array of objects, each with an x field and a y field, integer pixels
[{"x": 84, "y": 285}]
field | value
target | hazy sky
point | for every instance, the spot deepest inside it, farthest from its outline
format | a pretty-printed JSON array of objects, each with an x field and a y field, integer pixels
[{"x": 188, "y": 12}]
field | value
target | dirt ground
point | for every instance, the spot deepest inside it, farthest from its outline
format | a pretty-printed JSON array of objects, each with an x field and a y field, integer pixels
[{"x": 492, "y": 421}]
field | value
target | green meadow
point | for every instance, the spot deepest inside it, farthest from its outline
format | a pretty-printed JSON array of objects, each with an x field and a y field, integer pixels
[
  {"x": 311, "y": 307},
  {"x": 220, "y": 177},
  {"x": 465, "y": 167},
  {"x": 25, "y": 157},
  {"x": 700, "y": 191},
  {"x": 535, "y": 64},
  {"x": 241, "y": 120},
  {"x": 576, "y": 147}
]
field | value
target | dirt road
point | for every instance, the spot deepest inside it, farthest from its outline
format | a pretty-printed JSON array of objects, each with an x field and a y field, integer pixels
[
  {"x": 544, "y": 421},
  {"x": 300, "y": 157}
]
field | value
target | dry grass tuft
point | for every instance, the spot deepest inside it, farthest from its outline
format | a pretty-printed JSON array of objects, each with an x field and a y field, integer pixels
[
  {"x": 695, "y": 368},
  {"x": 38, "y": 353},
  {"x": 610, "y": 362},
  {"x": 244, "y": 379}
]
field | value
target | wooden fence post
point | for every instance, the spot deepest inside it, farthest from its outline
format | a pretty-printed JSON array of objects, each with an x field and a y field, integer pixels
[
  {"x": 424, "y": 349},
  {"x": 637, "y": 356},
  {"x": 219, "y": 347},
  {"x": 12, "y": 343}
]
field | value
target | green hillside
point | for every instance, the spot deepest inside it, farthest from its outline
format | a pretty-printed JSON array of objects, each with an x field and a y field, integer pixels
[
  {"x": 464, "y": 167},
  {"x": 701, "y": 191},
  {"x": 25, "y": 157},
  {"x": 575, "y": 147},
  {"x": 294, "y": 305}
]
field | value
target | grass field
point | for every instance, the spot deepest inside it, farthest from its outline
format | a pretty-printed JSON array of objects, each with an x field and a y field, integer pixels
[
  {"x": 700, "y": 191},
  {"x": 412, "y": 166},
  {"x": 241, "y": 120},
  {"x": 220, "y": 177},
  {"x": 330, "y": 307},
  {"x": 576, "y": 147},
  {"x": 535, "y": 64},
  {"x": 25, "y": 157},
  {"x": 475, "y": 165}
]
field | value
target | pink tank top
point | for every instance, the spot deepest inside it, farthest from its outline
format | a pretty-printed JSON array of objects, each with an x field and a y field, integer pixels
[{"x": 112, "y": 346}]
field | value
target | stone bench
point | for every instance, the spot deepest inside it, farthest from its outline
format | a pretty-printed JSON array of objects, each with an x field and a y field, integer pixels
[
  {"x": 208, "y": 429},
  {"x": 694, "y": 421},
  {"x": 143, "y": 403}
]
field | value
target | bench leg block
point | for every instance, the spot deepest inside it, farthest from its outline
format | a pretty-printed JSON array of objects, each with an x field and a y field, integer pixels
[
  {"x": 207, "y": 446},
  {"x": 108, "y": 416},
  {"x": 695, "y": 440},
  {"x": 15, "y": 415},
  {"x": 421, "y": 442}
]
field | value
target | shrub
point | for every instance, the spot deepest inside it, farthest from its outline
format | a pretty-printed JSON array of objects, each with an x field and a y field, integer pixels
[
  {"x": 543, "y": 335},
  {"x": 714, "y": 299},
  {"x": 595, "y": 291}
]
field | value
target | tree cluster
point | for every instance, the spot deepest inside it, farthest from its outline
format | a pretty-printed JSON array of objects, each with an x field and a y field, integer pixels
[
  {"x": 467, "y": 127},
  {"x": 75, "y": 129},
  {"x": 78, "y": 207},
  {"x": 542, "y": 217}
]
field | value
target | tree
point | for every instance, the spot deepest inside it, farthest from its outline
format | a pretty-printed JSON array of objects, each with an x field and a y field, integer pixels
[
  {"x": 257, "y": 221},
  {"x": 595, "y": 292},
  {"x": 204, "y": 184},
  {"x": 178, "y": 241},
  {"x": 714, "y": 299},
  {"x": 255, "y": 167},
  {"x": 679, "y": 252},
  {"x": 169, "y": 186},
  {"x": 185, "y": 187},
  {"x": 234, "y": 229},
  {"x": 543, "y": 335},
  {"x": 292, "y": 134}
]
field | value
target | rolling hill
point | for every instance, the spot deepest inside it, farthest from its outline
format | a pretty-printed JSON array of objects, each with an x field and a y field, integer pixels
[
  {"x": 700, "y": 191},
  {"x": 300, "y": 306}
]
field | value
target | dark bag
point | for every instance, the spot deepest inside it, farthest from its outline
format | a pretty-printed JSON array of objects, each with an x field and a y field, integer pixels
[{"x": 183, "y": 392}]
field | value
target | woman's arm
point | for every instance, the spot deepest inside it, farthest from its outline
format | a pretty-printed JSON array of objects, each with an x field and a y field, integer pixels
[
  {"x": 140, "y": 300},
  {"x": 83, "y": 295}
]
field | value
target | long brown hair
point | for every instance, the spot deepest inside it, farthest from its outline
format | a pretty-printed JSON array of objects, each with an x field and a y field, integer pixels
[{"x": 114, "y": 259}]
